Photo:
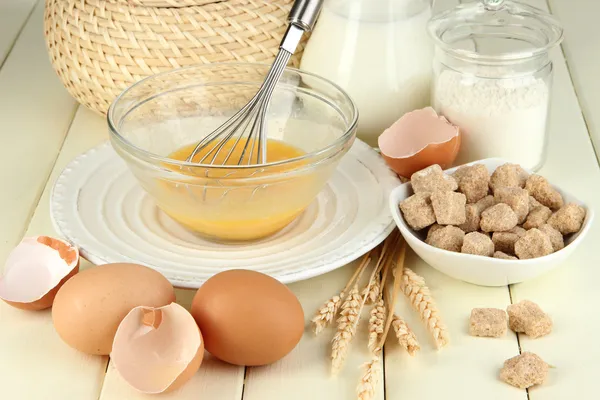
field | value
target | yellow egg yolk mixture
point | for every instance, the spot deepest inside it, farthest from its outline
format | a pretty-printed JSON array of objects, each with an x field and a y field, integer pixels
[{"x": 237, "y": 203}]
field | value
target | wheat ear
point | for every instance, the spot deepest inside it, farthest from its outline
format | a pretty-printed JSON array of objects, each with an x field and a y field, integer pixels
[
  {"x": 366, "y": 386},
  {"x": 328, "y": 311},
  {"x": 370, "y": 379},
  {"x": 350, "y": 315},
  {"x": 346, "y": 328},
  {"x": 377, "y": 316},
  {"x": 415, "y": 289},
  {"x": 371, "y": 292}
]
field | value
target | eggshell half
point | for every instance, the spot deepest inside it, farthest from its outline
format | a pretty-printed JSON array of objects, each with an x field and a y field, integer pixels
[
  {"x": 90, "y": 306},
  {"x": 419, "y": 139},
  {"x": 35, "y": 270},
  {"x": 157, "y": 350},
  {"x": 248, "y": 318}
]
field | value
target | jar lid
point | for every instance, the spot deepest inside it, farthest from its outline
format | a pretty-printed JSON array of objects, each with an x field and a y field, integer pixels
[{"x": 495, "y": 30}]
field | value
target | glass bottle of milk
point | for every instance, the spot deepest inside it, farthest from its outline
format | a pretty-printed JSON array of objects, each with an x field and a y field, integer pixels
[{"x": 378, "y": 51}]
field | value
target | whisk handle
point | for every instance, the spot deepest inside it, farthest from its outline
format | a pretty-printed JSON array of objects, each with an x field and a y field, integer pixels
[{"x": 304, "y": 13}]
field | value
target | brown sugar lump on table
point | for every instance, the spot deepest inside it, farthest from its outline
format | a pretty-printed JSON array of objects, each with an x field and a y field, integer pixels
[
  {"x": 498, "y": 218},
  {"x": 487, "y": 322},
  {"x": 432, "y": 179},
  {"x": 478, "y": 243},
  {"x": 449, "y": 207},
  {"x": 524, "y": 371},
  {"x": 528, "y": 318},
  {"x": 417, "y": 211},
  {"x": 448, "y": 238},
  {"x": 473, "y": 181}
]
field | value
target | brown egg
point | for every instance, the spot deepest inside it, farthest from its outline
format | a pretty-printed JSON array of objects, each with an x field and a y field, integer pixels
[
  {"x": 90, "y": 306},
  {"x": 248, "y": 318},
  {"x": 419, "y": 139},
  {"x": 35, "y": 270}
]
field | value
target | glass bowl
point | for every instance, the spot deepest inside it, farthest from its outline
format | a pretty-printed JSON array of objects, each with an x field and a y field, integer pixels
[{"x": 162, "y": 114}]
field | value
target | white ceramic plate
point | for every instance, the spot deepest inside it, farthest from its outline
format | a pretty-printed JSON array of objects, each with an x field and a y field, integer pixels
[
  {"x": 98, "y": 206},
  {"x": 485, "y": 271}
]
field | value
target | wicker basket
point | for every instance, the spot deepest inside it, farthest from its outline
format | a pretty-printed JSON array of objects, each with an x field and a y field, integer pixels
[{"x": 100, "y": 47}]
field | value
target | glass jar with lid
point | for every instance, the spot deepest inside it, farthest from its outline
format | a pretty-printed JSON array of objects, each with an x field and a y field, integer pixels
[
  {"x": 379, "y": 51},
  {"x": 493, "y": 77}
]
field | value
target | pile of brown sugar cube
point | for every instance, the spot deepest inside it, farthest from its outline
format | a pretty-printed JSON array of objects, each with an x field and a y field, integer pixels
[
  {"x": 508, "y": 214},
  {"x": 525, "y": 317}
]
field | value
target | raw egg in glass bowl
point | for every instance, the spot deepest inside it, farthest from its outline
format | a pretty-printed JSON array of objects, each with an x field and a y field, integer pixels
[{"x": 156, "y": 123}]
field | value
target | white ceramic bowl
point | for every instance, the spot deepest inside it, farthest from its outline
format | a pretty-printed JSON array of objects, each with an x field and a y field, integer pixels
[{"x": 485, "y": 271}]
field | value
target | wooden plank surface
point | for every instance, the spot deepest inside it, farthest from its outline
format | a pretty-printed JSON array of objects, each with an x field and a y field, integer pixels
[
  {"x": 35, "y": 112},
  {"x": 13, "y": 15},
  {"x": 569, "y": 294},
  {"x": 37, "y": 365},
  {"x": 582, "y": 49}
]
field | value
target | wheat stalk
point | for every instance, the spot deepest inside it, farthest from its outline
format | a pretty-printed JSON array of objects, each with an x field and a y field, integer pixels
[
  {"x": 351, "y": 311},
  {"x": 367, "y": 385},
  {"x": 415, "y": 289},
  {"x": 328, "y": 311}
]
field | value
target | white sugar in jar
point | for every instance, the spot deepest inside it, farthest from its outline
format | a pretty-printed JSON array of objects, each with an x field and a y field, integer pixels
[{"x": 493, "y": 77}]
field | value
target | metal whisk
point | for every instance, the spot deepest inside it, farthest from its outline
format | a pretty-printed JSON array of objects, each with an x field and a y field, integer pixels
[{"x": 248, "y": 125}]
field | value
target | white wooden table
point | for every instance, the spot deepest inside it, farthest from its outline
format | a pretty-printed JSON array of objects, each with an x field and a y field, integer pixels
[{"x": 42, "y": 128}]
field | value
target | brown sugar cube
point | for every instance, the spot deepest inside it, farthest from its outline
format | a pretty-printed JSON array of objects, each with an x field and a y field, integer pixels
[
  {"x": 533, "y": 203},
  {"x": 537, "y": 217},
  {"x": 449, "y": 208},
  {"x": 508, "y": 175},
  {"x": 498, "y": 218},
  {"x": 485, "y": 203},
  {"x": 478, "y": 243},
  {"x": 533, "y": 244},
  {"x": 569, "y": 219},
  {"x": 473, "y": 181},
  {"x": 542, "y": 191},
  {"x": 518, "y": 230},
  {"x": 503, "y": 256},
  {"x": 528, "y": 318},
  {"x": 417, "y": 211},
  {"x": 505, "y": 241},
  {"x": 516, "y": 198},
  {"x": 432, "y": 229},
  {"x": 524, "y": 371},
  {"x": 432, "y": 179},
  {"x": 448, "y": 238},
  {"x": 487, "y": 322},
  {"x": 556, "y": 238},
  {"x": 472, "y": 214}
]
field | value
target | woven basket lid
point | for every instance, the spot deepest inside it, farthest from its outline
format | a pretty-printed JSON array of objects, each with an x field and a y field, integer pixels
[{"x": 170, "y": 3}]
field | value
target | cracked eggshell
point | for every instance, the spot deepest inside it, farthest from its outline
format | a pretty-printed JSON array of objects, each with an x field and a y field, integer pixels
[
  {"x": 419, "y": 139},
  {"x": 90, "y": 306},
  {"x": 35, "y": 270},
  {"x": 157, "y": 350}
]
